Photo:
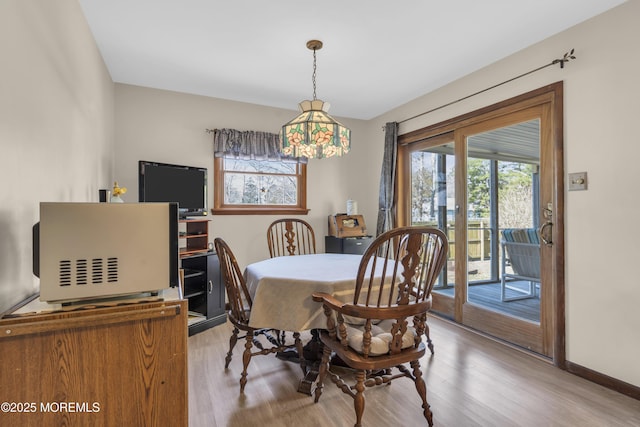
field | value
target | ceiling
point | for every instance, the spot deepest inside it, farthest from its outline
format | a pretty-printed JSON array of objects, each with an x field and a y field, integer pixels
[
  {"x": 519, "y": 142},
  {"x": 377, "y": 54}
]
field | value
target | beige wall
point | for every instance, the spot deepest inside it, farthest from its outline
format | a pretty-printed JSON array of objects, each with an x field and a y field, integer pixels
[
  {"x": 57, "y": 131},
  {"x": 169, "y": 127},
  {"x": 601, "y": 107},
  {"x": 56, "y": 125}
]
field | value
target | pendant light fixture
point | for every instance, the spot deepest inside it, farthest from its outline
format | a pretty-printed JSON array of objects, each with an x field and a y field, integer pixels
[{"x": 314, "y": 133}]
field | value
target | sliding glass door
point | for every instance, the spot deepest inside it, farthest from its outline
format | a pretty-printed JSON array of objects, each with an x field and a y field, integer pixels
[
  {"x": 502, "y": 204},
  {"x": 491, "y": 185}
]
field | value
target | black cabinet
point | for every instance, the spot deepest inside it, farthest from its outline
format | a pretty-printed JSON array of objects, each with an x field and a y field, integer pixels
[
  {"x": 347, "y": 245},
  {"x": 204, "y": 290}
]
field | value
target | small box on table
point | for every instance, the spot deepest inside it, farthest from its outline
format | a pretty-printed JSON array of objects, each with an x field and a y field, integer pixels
[{"x": 342, "y": 225}]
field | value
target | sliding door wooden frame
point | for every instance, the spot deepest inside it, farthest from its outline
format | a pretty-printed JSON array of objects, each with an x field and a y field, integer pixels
[{"x": 550, "y": 96}]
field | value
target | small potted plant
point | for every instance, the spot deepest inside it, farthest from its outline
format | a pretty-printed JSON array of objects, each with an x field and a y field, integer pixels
[{"x": 117, "y": 192}]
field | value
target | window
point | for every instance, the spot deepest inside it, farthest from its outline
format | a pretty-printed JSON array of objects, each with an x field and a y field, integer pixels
[
  {"x": 251, "y": 186},
  {"x": 252, "y": 177}
]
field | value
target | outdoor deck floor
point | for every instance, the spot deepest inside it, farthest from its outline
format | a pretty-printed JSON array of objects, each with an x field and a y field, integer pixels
[{"x": 488, "y": 295}]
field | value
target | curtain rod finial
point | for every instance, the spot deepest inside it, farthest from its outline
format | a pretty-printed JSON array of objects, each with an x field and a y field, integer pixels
[{"x": 568, "y": 56}]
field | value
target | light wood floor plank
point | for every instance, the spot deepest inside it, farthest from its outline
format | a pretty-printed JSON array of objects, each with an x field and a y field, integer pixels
[{"x": 471, "y": 381}]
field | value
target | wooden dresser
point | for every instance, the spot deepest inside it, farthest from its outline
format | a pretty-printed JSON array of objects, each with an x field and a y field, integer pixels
[{"x": 124, "y": 364}]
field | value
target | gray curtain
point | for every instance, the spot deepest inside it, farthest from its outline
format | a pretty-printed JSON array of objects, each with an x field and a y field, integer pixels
[
  {"x": 386, "y": 211},
  {"x": 248, "y": 145}
]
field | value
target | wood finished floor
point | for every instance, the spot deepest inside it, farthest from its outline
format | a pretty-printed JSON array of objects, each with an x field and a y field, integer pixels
[{"x": 471, "y": 381}]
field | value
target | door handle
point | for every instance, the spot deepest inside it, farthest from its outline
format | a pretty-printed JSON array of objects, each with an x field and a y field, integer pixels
[
  {"x": 210, "y": 287},
  {"x": 541, "y": 231}
]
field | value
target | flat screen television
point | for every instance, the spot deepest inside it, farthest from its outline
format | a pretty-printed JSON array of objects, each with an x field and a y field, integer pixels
[{"x": 163, "y": 182}]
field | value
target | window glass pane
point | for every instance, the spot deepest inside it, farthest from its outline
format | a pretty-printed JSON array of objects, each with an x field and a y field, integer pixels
[
  {"x": 433, "y": 197},
  {"x": 502, "y": 189},
  {"x": 260, "y": 189},
  {"x": 247, "y": 187},
  {"x": 432, "y": 191},
  {"x": 516, "y": 194},
  {"x": 265, "y": 166},
  {"x": 480, "y": 182}
]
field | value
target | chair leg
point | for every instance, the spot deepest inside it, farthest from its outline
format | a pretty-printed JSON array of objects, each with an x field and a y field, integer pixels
[
  {"x": 232, "y": 343},
  {"x": 246, "y": 358},
  {"x": 426, "y": 334},
  {"x": 421, "y": 387},
  {"x": 300, "y": 350},
  {"x": 358, "y": 398},
  {"x": 324, "y": 366}
]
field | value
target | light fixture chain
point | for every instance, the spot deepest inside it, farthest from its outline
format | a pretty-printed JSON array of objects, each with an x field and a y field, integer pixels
[{"x": 313, "y": 77}]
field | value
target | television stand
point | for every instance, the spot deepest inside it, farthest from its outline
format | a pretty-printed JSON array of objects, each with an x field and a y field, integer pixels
[
  {"x": 202, "y": 281},
  {"x": 204, "y": 290}
]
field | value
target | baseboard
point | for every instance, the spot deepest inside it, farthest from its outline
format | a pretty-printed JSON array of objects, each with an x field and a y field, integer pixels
[
  {"x": 604, "y": 380},
  {"x": 203, "y": 325},
  {"x": 586, "y": 373}
]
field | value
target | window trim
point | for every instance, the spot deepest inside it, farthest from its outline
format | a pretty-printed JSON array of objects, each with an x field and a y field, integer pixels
[{"x": 220, "y": 208}]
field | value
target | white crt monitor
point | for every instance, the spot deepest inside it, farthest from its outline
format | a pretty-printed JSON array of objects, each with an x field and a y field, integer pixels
[{"x": 98, "y": 250}]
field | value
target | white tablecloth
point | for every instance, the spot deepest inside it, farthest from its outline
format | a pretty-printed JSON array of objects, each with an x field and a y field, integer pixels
[{"x": 281, "y": 288}]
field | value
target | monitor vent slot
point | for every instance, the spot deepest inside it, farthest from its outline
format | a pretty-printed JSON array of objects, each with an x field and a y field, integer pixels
[
  {"x": 81, "y": 272},
  {"x": 97, "y": 271},
  {"x": 112, "y": 269},
  {"x": 65, "y": 272},
  {"x": 88, "y": 272}
]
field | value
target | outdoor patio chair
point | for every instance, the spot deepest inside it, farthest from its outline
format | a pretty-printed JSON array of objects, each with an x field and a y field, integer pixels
[{"x": 520, "y": 249}]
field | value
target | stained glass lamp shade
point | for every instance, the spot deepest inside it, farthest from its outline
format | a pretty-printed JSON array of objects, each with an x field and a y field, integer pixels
[{"x": 314, "y": 133}]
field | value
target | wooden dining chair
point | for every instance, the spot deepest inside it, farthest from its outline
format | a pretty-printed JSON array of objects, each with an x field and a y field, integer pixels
[
  {"x": 239, "y": 310},
  {"x": 382, "y": 327},
  {"x": 290, "y": 236}
]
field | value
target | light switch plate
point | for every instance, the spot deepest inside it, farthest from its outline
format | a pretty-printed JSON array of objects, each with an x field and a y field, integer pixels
[{"x": 577, "y": 181}]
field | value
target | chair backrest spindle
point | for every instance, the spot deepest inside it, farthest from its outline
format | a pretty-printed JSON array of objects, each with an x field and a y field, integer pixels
[
  {"x": 238, "y": 296},
  {"x": 400, "y": 265},
  {"x": 290, "y": 236}
]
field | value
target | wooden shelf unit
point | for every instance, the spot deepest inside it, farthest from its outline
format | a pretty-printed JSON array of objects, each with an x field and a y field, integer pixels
[{"x": 193, "y": 236}]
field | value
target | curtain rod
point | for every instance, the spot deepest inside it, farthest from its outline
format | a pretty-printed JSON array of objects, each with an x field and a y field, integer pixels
[{"x": 565, "y": 58}]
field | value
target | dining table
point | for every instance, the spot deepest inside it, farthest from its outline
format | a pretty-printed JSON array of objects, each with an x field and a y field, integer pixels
[{"x": 281, "y": 289}]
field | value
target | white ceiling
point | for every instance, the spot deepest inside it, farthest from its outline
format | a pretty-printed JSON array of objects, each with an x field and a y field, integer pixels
[{"x": 377, "y": 54}]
